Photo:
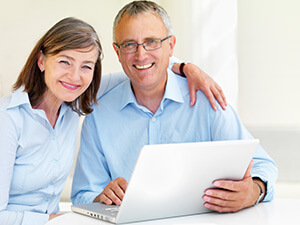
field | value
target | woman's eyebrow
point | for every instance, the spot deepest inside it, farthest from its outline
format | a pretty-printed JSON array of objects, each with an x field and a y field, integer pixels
[{"x": 71, "y": 58}]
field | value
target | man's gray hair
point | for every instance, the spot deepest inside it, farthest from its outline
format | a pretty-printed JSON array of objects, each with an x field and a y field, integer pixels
[{"x": 137, "y": 7}]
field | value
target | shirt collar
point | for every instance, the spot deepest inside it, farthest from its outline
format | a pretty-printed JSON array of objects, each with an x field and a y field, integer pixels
[
  {"x": 20, "y": 97},
  {"x": 172, "y": 92},
  {"x": 128, "y": 96}
]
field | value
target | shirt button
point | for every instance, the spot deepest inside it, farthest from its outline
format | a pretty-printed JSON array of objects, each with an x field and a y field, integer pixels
[
  {"x": 153, "y": 119},
  {"x": 53, "y": 138}
]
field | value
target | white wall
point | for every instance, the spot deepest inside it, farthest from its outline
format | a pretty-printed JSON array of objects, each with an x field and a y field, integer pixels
[
  {"x": 269, "y": 58},
  {"x": 22, "y": 23},
  {"x": 206, "y": 31},
  {"x": 268, "y": 48},
  {"x": 269, "y": 78}
]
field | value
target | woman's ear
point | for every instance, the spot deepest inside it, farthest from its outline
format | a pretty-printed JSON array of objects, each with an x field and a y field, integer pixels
[{"x": 41, "y": 61}]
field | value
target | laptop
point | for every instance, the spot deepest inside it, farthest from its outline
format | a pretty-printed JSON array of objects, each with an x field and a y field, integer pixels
[{"x": 169, "y": 180}]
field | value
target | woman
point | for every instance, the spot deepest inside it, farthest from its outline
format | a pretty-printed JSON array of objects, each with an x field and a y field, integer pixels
[
  {"x": 38, "y": 124},
  {"x": 39, "y": 120}
]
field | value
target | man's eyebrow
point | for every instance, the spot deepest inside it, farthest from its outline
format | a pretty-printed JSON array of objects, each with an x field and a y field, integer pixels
[
  {"x": 145, "y": 39},
  {"x": 128, "y": 40}
]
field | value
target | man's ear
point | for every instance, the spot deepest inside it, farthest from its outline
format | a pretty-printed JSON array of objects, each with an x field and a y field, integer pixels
[
  {"x": 41, "y": 61},
  {"x": 116, "y": 50},
  {"x": 172, "y": 43}
]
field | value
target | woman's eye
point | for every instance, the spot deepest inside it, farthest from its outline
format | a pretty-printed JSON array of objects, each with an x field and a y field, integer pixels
[
  {"x": 87, "y": 67},
  {"x": 64, "y": 62}
]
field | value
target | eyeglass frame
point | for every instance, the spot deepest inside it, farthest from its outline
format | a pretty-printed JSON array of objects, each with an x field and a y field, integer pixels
[{"x": 143, "y": 44}]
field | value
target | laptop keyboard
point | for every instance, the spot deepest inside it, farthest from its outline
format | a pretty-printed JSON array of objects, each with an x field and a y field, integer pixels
[{"x": 113, "y": 210}]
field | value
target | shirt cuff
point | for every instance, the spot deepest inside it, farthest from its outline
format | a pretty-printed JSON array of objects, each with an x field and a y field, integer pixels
[
  {"x": 33, "y": 218},
  {"x": 84, "y": 198},
  {"x": 269, "y": 188}
]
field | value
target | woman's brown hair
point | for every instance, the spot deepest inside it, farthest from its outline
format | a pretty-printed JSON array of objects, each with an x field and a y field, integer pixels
[{"x": 69, "y": 33}]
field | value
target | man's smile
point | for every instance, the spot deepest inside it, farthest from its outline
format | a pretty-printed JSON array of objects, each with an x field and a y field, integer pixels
[{"x": 141, "y": 67}]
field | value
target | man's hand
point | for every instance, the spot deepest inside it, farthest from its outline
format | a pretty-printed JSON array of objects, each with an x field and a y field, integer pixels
[
  {"x": 233, "y": 195},
  {"x": 113, "y": 193},
  {"x": 52, "y": 216},
  {"x": 199, "y": 80}
]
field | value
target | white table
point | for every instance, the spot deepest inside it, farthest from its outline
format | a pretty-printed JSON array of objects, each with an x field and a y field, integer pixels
[{"x": 279, "y": 211}]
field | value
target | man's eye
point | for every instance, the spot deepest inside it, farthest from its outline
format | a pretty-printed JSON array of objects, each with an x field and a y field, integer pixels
[
  {"x": 152, "y": 41},
  {"x": 128, "y": 45}
]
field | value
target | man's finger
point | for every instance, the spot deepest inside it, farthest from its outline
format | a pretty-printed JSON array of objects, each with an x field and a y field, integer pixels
[
  {"x": 219, "y": 208},
  {"x": 105, "y": 199},
  {"x": 193, "y": 93},
  {"x": 248, "y": 171},
  {"x": 210, "y": 98},
  {"x": 218, "y": 94}
]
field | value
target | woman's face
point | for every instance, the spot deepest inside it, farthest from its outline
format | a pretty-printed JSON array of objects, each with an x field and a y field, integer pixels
[{"x": 69, "y": 73}]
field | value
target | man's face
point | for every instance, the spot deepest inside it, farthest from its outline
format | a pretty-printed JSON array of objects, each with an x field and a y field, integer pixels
[{"x": 147, "y": 70}]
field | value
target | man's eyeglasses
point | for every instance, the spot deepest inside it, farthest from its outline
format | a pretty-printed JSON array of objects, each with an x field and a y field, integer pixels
[{"x": 149, "y": 45}]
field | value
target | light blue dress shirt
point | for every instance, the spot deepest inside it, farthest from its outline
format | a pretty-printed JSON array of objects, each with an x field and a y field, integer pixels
[
  {"x": 114, "y": 133},
  {"x": 35, "y": 159}
]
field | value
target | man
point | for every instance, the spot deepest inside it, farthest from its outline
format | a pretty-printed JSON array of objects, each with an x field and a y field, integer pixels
[{"x": 153, "y": 108}]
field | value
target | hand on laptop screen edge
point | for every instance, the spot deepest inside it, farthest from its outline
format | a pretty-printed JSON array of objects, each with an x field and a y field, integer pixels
[{"x": 230, "y": 195}]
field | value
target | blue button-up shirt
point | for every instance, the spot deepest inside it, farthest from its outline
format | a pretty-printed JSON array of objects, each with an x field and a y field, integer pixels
[
  {"x": 114, "y": 133},
  {"x": 35, "y": 159}
]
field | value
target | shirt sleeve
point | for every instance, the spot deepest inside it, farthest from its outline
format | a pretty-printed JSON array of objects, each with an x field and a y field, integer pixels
[
  {"x": 89, "y": 180},
  {"x": 8, "y": 147},
  {"x": 172, "y": 61},
  {"x": 109, "y": 81},
  {"x": 226, "y": 125}
]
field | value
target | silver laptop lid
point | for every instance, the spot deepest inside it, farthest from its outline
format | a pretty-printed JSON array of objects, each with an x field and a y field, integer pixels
[{"x": 170, "y": 179}]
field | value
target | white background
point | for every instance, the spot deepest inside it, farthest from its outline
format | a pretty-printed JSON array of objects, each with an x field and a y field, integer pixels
[{"x": 264, "y": 49}]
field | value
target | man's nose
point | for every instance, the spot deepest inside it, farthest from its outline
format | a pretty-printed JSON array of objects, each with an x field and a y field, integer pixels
[{"x": 140, "y": 50}]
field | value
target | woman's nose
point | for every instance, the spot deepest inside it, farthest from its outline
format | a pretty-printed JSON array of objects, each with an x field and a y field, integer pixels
[{"x": 74, "y": 74}]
